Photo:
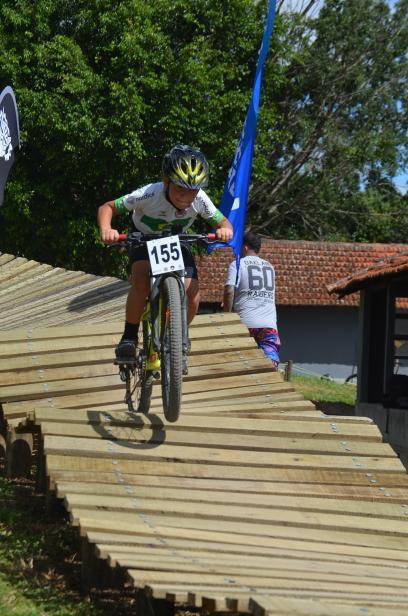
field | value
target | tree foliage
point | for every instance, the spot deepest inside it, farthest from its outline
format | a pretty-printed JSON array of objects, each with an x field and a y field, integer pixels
[
  {"x": 342, "y": 104},
  {"x": 104, "y": 88}
]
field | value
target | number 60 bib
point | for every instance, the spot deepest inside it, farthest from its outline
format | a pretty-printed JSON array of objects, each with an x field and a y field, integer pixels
[{"x": 165, "y": 255}]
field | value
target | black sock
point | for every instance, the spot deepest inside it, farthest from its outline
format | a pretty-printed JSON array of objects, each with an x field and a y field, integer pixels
[{"x": 131, "y": 331}]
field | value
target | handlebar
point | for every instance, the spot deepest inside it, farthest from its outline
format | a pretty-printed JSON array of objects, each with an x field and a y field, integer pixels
[{"x": 137, "y": 237}]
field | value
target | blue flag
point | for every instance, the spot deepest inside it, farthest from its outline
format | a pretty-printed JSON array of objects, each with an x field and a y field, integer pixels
[{"x": 234, "y": 199}]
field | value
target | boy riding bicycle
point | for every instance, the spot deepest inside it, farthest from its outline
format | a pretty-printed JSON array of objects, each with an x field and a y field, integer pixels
[{"x": 177, "y": 200}]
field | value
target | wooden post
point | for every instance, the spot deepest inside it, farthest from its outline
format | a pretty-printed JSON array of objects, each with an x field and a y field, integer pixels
[
  {"x": 288, "y": 370},
  {"x": 18, "y": 454}
]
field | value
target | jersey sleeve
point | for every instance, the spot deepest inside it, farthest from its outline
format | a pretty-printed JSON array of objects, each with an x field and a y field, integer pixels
[
  {"x": 206, "y": 208},
  {"x": 232, "y": 274},
  {"x": 120, "y": 205}
]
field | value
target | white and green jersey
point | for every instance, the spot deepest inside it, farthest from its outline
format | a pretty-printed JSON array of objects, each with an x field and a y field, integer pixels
[{"x": 152, "y": 211}]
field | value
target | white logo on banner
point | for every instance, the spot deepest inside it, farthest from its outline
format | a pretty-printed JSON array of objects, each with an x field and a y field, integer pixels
[
  {"x": 235, "y": 205},
  {"x": 5, "y": 138}
]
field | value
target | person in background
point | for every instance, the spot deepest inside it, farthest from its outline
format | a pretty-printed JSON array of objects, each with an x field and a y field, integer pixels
[{"x": 252, "y": 296}]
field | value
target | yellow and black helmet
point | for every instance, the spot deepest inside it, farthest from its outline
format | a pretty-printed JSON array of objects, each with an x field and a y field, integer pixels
[{"x": 186, "y": 166}]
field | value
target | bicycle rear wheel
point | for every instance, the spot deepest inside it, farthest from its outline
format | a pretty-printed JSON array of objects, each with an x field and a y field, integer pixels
[
  {"x": 146, "y": 377},
  {"x": 171, "y": 349}
]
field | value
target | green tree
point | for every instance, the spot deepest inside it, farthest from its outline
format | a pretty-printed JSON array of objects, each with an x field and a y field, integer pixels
[
  {"x": 342, "y": 104},
  {"x": 104, "y": 88}
]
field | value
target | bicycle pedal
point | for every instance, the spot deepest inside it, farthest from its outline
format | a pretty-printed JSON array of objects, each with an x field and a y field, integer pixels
[
  {"x": 156, "y": 374},
  {"x": 125, "y": 362}
]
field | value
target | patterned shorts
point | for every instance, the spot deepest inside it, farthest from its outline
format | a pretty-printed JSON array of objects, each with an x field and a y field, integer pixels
[{"x": 267, "y": 339}]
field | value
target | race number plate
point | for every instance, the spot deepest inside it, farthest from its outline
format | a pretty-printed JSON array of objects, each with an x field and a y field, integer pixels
[{"x": 165, "y": 255}]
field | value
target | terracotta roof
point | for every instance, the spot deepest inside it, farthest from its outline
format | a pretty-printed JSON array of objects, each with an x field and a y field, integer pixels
[
  {"x": 304, "y": 269},
  {"x": 390, "y": 266}
]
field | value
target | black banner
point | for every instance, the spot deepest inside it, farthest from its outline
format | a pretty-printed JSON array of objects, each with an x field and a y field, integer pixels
[{"x": 9, "y": 135}]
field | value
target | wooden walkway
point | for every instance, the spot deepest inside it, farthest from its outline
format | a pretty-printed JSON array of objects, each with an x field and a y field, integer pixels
[
  {"x": 253, "y": 501},
  {"x": 34, "y": 294}
]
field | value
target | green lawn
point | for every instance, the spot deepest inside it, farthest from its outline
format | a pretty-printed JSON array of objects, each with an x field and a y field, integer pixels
[{"x": 327, "y": 395}]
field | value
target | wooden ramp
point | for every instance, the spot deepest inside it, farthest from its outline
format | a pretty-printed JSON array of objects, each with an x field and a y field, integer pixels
[
  {"x": 34, "y": 294},
  {"x": 252, "y": 501}
]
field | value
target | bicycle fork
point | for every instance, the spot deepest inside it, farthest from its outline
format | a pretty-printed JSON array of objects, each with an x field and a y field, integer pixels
[{"x": 156, "y": 311}]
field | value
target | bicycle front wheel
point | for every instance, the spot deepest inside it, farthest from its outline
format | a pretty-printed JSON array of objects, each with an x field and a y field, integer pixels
[{"x": 171, "y": 349}]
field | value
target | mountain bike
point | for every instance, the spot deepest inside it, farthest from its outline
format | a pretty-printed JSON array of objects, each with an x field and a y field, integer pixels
[{"x": 164, "y": 351}]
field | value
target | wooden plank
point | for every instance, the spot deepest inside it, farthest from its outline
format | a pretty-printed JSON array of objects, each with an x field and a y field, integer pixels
[
  {"x": 39, "y": 289},
  {"x": 66, "y": 387},
  {"x": 15, "y": 268},
  {"x": 110, "y": 545},
  {"x": 31, "y": 391},
  {"x": 204, "y": 596},
  {"x": 301, "y": 517},
  {"x": 59, "y": 358},
  {"x": 210, "y": 455},
  {"x": 38, "y": 334},
  {"x": 31, "y": 347},
  {"x": 118, "y": 415},
  {"x": 114, "y": 327},
  {"x": 34, "y": 375},
  {"x": 124, "y": 498},
  {"x": 227, "y": 530},
  {"x": 341, "y": 429},
  {"x": 201, "y": 328},
  {"x": 5, "y": 258},
  {"x": 21, "y": 289},
  {"x": 83, "y": 482},
  {"x": 341, "y": 545},
  {"x": 109, "y": 388},
  {"x": 257, "y": 566},
  {"x": 98, "y": 398},
  {"x": 285, "y": 550},
  {"x": 232, "y": 440},
  {"x": 292, "y": 606},
  {"x": 37, "y": 376},
  {"x": 309, "y": 582},
  {"x": 123, "y": 466}
]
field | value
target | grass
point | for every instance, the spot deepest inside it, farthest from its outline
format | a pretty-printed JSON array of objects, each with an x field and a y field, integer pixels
[
  {"x": 39, "y": 560},
  {"x": 40, "y": 563},
  {"x": 328, "y": 396}
]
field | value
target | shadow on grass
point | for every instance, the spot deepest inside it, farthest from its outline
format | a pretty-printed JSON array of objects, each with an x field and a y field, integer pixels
[{"x": 334, "y": 408}]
